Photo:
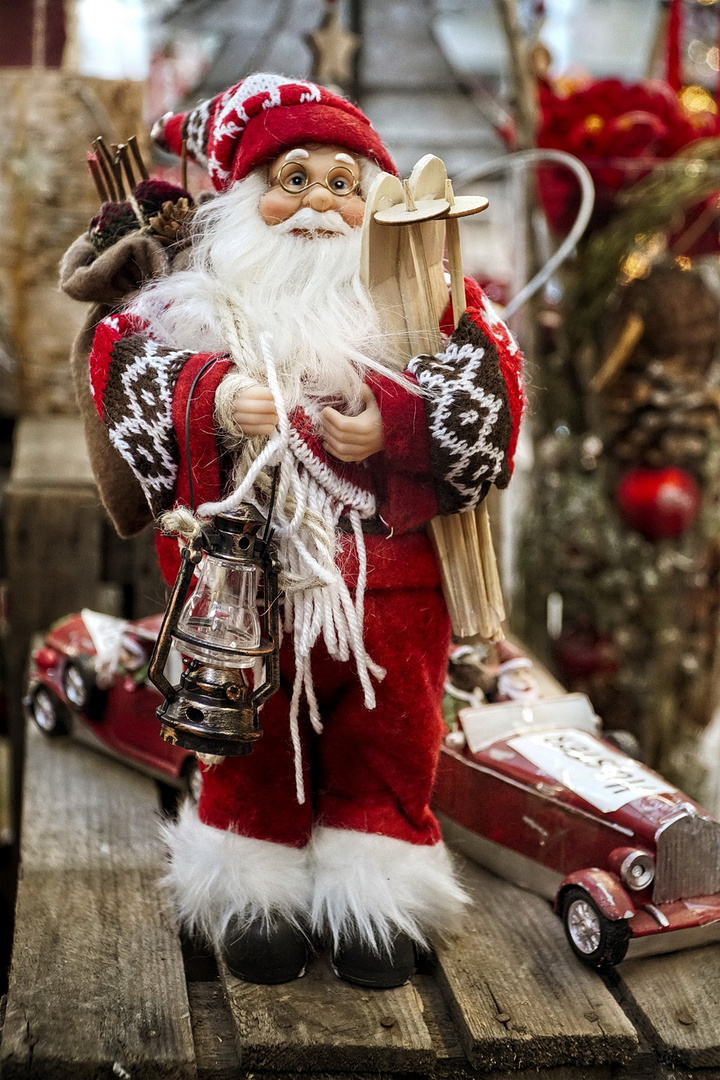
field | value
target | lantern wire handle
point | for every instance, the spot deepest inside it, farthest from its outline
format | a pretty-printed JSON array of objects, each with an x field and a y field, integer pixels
[
  {"x": 196, "y": 380},
  {"x": 158, "y": 660},
  {"x": 267, "y": 535}
]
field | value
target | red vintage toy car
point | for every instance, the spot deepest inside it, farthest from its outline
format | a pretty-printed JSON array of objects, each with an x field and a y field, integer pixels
[
  {"x": 536, "y": 794},
  {"x": 72, "y": 690}
]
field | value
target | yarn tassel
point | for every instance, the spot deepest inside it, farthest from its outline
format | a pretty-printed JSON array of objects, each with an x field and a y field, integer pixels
[{"x": 309, "y": 501}]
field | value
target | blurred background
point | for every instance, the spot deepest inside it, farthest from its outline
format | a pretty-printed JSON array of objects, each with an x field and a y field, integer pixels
[{"x": 616, "y": 595}]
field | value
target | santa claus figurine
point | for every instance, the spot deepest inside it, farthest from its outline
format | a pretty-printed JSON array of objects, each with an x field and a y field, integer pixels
[{"x": 258, "y": 350}]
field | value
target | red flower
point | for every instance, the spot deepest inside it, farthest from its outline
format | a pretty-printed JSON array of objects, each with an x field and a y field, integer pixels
[{"x": 621, "y": 131}]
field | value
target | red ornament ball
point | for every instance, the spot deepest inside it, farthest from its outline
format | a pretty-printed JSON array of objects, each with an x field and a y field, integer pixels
[{"x": 659, "y": 503}]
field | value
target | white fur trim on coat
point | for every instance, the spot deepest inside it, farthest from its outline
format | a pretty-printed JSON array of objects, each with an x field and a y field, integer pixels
[
  {"x": 374, "y": 886},
  {"x": 216, "y": 877}
]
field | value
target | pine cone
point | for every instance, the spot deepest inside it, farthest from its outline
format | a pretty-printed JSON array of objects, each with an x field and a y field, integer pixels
[
  {"x": 659, "y": 410},
  {"x": 675, "y": 435},
  {"x": 680, "y": 314},
  {"x": 169, "y": 224}
]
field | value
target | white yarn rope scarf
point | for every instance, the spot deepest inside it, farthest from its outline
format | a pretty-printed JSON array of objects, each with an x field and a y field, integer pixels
[{"x": 310, "y": 500}]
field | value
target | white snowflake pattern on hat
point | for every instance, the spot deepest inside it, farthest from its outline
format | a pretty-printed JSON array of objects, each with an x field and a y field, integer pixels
[
  {"x": 232, "y": 116},
  {"x": 229, "y": 135}
]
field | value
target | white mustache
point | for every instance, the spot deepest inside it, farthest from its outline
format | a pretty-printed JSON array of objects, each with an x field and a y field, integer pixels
[{"x": 311, "y": 220}]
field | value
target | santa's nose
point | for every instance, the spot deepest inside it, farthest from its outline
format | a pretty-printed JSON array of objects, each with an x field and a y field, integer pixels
[{"x": 319, "y": 198}]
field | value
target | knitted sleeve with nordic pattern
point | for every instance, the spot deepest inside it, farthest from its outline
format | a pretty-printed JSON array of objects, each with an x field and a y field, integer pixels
[
  {"x": 132, "y": 379},
  {"x": 473, "y": 402}
]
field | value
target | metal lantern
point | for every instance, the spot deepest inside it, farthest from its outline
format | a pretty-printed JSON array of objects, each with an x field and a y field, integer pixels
[{"x": 227, "y": 630}]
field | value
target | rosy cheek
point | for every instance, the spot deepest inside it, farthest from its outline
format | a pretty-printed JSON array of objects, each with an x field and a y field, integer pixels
[
  {"x": 352, "y": 210},
  {"x": 273, "y": 208}
]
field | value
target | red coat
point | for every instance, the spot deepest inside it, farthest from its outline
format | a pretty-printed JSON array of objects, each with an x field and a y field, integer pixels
[
  {"x": 169, "y": 391},
  {"x": 370, "y": 771}
]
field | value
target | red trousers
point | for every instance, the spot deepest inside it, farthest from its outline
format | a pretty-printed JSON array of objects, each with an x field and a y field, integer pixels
[{"x": 370, "y": 770}]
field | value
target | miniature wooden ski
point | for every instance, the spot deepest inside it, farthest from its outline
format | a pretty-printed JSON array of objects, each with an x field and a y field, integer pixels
[{"x": 404, "y": 270}]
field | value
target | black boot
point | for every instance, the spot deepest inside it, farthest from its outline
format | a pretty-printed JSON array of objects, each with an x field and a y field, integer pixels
[
  {"x": 268, "y": 954},
  {"x": 359, "y": 963}
]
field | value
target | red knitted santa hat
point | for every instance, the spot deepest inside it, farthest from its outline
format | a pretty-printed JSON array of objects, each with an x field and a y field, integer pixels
[{"x": 251, "y": 122}]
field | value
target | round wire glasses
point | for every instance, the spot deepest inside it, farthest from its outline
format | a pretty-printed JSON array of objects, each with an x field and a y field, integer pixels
[{"x": 339, "y": 180}]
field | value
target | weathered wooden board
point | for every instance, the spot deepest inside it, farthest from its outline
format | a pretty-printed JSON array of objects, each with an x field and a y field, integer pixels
[
  {"x": 519, "y": 997},
  {"x": 51, "y": 451},
  {"x": 55, "y": 523},
  {"x": 6, "y": 817},
  {"x": 321, "y": 1023},
  {"x": 676, "y": 1001},
  {"x": 53, "y": 544},
  {"x": 218, "y": 1057},
  {"x": 452, "y": 1064},
  {"x": 643, "y": 1066},
  {"x": 53, "y": 526},
  {"x": 58, "y": 557},
  {"x": 97, "y": 986},
  {"x": 671, "y": 1072},
  {"x": 213, "y": 1031},
  {"x": 57, "y": 533}
]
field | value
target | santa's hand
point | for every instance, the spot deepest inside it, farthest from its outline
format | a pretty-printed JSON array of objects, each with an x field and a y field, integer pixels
[
  {"x": 254, "y": 410},
  {"x": 354, "y": 438}
]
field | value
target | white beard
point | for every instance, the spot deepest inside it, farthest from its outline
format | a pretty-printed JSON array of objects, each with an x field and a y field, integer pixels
[{"x": 246, "y": 278}]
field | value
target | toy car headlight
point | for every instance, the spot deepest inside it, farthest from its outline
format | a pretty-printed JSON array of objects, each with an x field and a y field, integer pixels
[{"x": 637, "y": 870}]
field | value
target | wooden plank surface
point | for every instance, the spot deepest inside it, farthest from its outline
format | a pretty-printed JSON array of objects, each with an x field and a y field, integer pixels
[
  {"x": 54, "y": 554},
  {"x": 321, "y": 1023},
  {"x": 50, "y": 451},
  {"x": 452, "y": 1063},
  {"x": 97, "y": 985},
  {"x": 6, "y": 816},
  {"x": 213, "y": 1031},
  {"x": 54, "y": 561},
  {"x": 676, "y": 1001},
  {"x": 519, "y": 997}
]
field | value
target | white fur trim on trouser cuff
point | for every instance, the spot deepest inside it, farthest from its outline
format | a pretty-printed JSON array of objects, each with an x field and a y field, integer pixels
[
  {"x": 217, "y": 877},
  {"x": 373, "y": 887}
]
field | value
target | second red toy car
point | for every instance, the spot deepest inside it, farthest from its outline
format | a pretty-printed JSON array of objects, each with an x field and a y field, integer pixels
[
  {"x": 535, "y": 793},
  {"x": 73, "y": 690}
]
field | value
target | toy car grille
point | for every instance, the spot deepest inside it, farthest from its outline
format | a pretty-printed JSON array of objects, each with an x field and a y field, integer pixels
[{"x": 688, "y": 859}]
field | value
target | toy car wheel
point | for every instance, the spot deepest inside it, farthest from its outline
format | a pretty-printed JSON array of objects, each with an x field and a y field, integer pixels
[
  {"x": 79, "y": 685},
  {"x": 49, "y": 713},
  {"x": 599, "y": 942}
]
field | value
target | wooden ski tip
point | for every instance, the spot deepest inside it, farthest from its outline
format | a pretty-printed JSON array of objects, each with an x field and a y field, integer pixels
[
  {"x": 428, "y": 178},
  {"x": 465, "y": 205},
  {"x": 386, "y": 191}
]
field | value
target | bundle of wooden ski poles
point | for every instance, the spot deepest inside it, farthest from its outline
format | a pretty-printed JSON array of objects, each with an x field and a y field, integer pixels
[{"x": 404, "y": 270}]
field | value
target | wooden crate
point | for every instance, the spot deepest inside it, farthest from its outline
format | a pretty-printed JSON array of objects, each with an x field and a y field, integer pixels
[
  {"x": 62, "y": 552},
  {"x": 101, "y": 985}
]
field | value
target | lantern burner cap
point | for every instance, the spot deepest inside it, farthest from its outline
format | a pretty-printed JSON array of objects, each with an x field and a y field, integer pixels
[{"x": 196, "y": 722}]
